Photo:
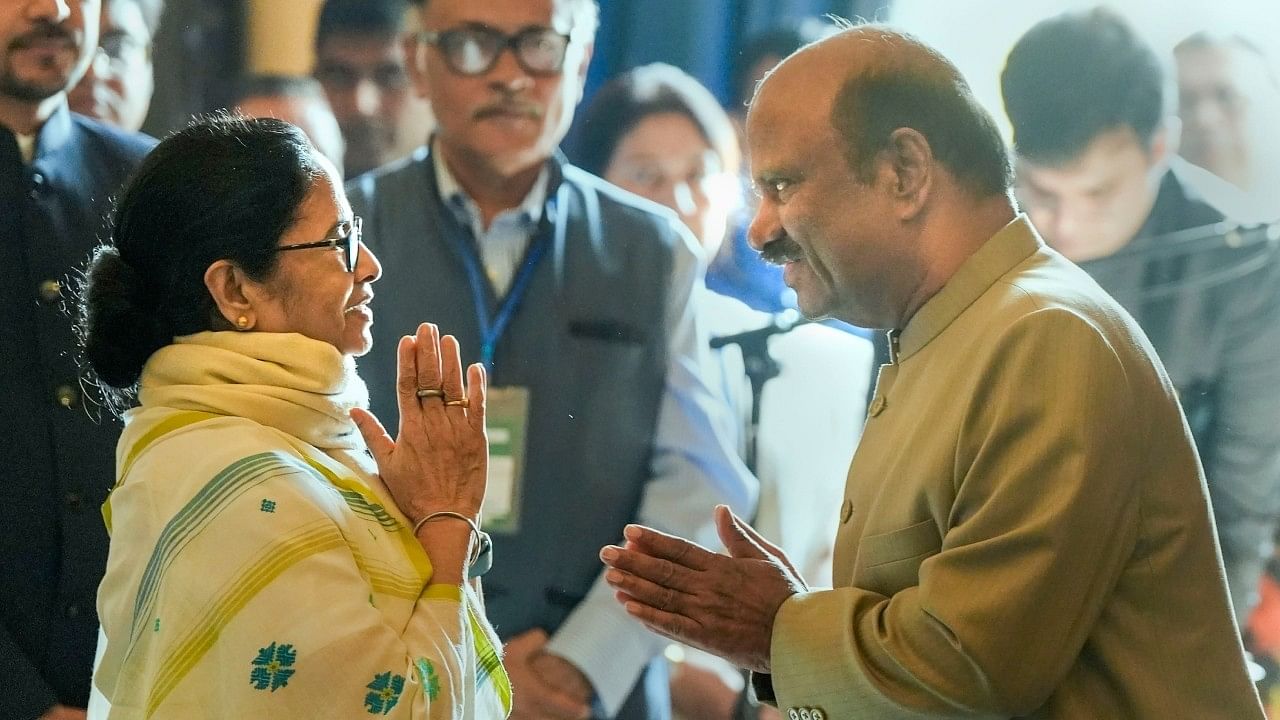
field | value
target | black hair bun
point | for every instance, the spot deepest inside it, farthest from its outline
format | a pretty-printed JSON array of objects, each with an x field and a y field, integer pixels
[{"x": 121, "y": 323}]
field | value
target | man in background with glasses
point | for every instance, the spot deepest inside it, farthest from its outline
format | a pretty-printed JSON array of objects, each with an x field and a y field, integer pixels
[
  {"x": 360, "y": 63},
  {"x": 1229, "y": 104},
  {"x": 58, "y": 172},
  {"x": 117, "y": 86},
  {"x": 577, "y": 297}
]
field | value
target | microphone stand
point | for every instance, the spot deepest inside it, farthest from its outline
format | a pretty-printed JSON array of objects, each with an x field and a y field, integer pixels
[
  {"x": 760, "y": 367},
  {"x": 1206, "y": 237},
  {"x": 1262, "y": 238}
]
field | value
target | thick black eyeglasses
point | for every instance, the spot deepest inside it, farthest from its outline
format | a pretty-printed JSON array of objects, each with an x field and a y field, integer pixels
[
  {"x": 474, "y": 49},
  {"x": 345, "y": 236}
]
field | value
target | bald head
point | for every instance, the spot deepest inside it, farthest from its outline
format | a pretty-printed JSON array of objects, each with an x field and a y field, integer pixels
[
  {"x": 878, "y": 174},
  {"x": 868, "y": 81}
]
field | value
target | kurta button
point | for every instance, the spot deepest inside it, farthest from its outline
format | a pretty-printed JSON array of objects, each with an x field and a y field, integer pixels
[
  {"x": 50, "y": 290},
  {"x": 66, "y": 396},
  {"x": 793, "y": 714},
  {"x": 73, "y": 611},
  {"x": 73, "y": 501},
  {"x": 804, "y": 714},
  {"x": 846, "y": 511},
  {"x": 877, "y": 406},
  {"x": 816, "y": 714}
]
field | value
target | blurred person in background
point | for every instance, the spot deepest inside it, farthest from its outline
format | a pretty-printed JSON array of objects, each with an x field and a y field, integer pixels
[
  {"x": 1229, "y": 103},
  {"x": 655, "y": 131},
  {"x": 578, "y": 297},
  {"x": 761, "y": 53},
  {"x": 1097, "y": 173},
  {"x": 360, "y": 63},
  {"x": 58, "y": 173},
  {"x": 117, "y": 86},
  {"x": 735, "y": 270},
  {"x": 298, "y": 101}
]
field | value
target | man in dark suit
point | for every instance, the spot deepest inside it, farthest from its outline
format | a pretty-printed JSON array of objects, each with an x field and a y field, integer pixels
[
  {"x": 582, "y": 301},
  {"x": 58, "y": 172}
]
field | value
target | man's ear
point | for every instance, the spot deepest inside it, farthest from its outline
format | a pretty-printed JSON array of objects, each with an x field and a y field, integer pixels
[
  {"x": 232, "y": 293},
  {"x": 909, "y": 160},
  {"x": 587, "y": 52},
  {"x": 1165, "y": 143},
  {"x": 415, "y": 61}
]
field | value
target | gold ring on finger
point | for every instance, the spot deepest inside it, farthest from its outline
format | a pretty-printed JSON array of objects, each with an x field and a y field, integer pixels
[
  {"x": 461, "y": 402},
  {"x": 429, "y": 393}
]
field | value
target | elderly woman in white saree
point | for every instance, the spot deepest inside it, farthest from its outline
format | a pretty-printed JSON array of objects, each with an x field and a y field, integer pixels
[{"x": 273, "y": 552}]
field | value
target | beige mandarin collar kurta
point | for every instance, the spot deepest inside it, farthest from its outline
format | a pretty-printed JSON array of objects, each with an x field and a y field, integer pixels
[
  {"x": 1025, "y": 530},
  {"x": 1011, "y": 245}
]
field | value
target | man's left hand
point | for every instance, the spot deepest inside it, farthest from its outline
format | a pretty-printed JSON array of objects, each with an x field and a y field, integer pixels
[{"x": 722, "y": 604}]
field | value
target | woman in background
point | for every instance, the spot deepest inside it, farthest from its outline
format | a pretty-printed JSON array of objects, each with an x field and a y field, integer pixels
[
  {"x": 656, "y": 132},
  {"x": 274, "y": 553}
]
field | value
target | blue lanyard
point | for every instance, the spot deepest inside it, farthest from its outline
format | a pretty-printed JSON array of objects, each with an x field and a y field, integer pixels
[{"x": 492, "y": 328}]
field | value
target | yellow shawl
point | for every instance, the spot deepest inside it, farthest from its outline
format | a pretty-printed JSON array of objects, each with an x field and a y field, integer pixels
[{"x": 258, "y": 567}]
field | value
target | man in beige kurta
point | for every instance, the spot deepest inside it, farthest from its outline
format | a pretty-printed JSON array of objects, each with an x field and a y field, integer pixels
[{"x": 1025, "y": 530}]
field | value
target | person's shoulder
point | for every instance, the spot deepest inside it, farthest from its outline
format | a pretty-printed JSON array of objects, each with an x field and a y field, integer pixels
[
  {"x": 206, "y": 443},
  {"x": 405, "y": 174},
  {"x": 1215, "y": 197},
  {"x": 1049, "y": 280},
  {"x": 119, "y": 146}
]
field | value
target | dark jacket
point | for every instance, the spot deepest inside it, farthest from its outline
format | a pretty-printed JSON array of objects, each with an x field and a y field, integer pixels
[
  {"x": 1211, "y": 311},
  {"x": 61, "y": 449},
  {"x": 588, "y": 341}
]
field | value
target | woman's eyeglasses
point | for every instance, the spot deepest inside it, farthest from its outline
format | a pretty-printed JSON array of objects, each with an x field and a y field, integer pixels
[
  {"x": 346, "y": 236},
  {"x": 474, "y": 49}
]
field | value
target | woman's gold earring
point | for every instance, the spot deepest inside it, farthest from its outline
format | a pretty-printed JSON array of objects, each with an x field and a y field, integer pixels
[{"x": 242, "y": 322}]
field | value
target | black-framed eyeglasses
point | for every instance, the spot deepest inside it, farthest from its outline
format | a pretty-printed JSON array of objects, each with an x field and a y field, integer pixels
[
  {"x": 346, "y": 236},
  {"x": 474, "y": 49}
]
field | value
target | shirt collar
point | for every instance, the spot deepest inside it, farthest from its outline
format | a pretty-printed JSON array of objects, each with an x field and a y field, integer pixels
[
  {"x": 26, "y": 147},
  {"x": 1010, "y": 246},
  {"x": 48, "y": 139},
  {"x": 529, "y": 211}
]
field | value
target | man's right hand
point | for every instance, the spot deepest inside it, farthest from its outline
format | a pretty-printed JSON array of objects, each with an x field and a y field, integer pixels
[
  {"x": 536, "y": 694},
  {"x": 62, "y": 712},
  {"x": 700, "y": 693}
]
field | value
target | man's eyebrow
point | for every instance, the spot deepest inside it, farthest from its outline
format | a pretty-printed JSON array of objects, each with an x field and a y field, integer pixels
[{"x": 768, "y": 177}]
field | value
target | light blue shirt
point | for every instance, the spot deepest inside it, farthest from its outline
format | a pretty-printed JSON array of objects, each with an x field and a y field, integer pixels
[{"x": 695, "y": 465}]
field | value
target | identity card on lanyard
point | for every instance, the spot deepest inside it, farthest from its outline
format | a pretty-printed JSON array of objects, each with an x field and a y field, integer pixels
[
  {"x": 506, "y": 417},
  {"x": 507, "y": 407}
]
